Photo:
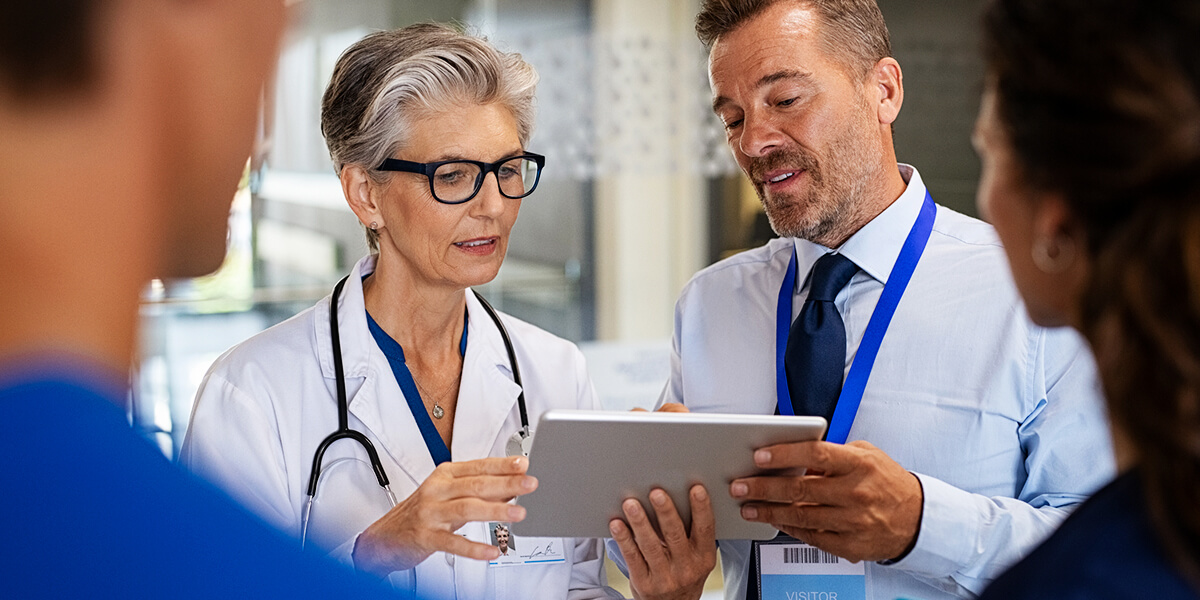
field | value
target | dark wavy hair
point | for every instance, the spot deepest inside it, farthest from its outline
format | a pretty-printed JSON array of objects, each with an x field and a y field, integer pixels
[{"x": 1101, "y": 102}]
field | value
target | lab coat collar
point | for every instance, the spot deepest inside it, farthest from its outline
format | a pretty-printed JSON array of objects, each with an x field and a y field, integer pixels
[
  {"x": 486, "y": 394},
  {"x": 373, "y": 395},
  {"x": 875, "y": 247},
  {"x": 352, "y": 325}
]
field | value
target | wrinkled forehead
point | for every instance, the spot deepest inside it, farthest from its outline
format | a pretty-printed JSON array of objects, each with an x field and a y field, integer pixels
[{"x": 782, "y": 39}]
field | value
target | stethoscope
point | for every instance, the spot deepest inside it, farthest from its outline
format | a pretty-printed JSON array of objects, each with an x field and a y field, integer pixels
[{"x": 518, "y": 444}]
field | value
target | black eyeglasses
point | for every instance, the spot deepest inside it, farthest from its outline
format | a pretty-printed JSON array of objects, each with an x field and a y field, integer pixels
[{"x": 457, "y": 181}]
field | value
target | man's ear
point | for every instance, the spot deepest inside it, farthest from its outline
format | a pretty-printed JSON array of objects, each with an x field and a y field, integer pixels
[
  {"x": 886, "y": 82},
  {"x": 361, "y": 195}
]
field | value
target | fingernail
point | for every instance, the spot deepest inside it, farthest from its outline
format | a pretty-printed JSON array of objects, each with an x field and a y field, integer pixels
[
  {"x": 516, "y": 513},
  {"x": 632, "y": 507},
  {"x": 613, "y": 528},
  {"x": 749, "y": 512},
  {"x": 529, "y": 482},
  {"x": 762, "y": 457},
  {"x": 737, "y": 490},
  {"x": 699, "y": 493},
  {"x": 658, "y": 497},
  {"x": 517, "y": 461}
]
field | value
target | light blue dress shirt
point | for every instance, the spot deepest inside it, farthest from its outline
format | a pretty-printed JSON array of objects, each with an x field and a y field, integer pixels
[{"x": 1000, "y": 419}]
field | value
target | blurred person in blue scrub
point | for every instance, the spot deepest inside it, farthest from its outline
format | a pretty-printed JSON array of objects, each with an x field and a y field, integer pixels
[
  {"x": 432, "y": 389},
  {"x": 961, "y": 433},
  {"x": 1089, "y": 133},
  {"x": 124, "y": 128}
]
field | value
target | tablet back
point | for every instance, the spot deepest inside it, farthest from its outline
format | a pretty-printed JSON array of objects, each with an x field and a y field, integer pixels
[{"x": 588, "y": 462}]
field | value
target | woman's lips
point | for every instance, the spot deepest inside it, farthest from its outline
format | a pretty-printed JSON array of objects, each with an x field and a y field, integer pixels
[{"x": 478, "y": 246}]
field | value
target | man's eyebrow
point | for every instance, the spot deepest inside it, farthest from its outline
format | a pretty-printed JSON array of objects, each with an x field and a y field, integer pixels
[
  {"x": 803, "y": 76},
  {"x": 719, "y": 102},
  {"x": 781, "y": 75}
]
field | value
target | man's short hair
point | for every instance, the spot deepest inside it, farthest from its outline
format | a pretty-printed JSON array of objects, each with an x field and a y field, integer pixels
[
  {"x": 47, "y": 46},
  {"x": 852, "y": 31}
]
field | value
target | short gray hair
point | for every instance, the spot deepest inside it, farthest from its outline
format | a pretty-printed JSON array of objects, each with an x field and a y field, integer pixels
[
  {"x": 386, "y": 81},
  {"x": 852, "y": 31}
]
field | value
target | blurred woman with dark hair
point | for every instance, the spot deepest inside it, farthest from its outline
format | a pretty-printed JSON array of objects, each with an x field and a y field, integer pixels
[{"x": 1089, "y": 134}]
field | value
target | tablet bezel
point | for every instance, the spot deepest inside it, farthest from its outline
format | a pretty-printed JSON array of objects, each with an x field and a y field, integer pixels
[{"x": 588, "y": 462}]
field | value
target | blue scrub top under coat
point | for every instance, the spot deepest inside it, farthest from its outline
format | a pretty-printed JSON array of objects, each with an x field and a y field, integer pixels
[{"x": 395, "y": 356}]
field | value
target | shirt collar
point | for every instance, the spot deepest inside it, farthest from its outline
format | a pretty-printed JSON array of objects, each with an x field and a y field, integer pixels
[{"x": 874, "y": 247}]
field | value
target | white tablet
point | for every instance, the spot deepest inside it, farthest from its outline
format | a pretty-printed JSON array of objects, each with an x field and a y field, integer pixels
[{"x": 588, "y": 462}]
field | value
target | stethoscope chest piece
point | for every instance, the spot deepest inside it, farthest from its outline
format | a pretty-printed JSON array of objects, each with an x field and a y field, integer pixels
[{"x": 519, "y": 444}]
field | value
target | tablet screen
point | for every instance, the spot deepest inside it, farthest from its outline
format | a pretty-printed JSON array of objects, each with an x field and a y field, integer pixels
[{"x": 588, "y": 462}]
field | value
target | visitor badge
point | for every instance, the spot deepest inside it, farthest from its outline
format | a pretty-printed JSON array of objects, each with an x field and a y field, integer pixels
[
  {"x": 516, "y": 551},
  {"x": 792, "y": 570}
]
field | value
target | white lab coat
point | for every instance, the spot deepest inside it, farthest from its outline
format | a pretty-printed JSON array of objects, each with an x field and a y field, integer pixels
[{"x": 265, "y": 405}]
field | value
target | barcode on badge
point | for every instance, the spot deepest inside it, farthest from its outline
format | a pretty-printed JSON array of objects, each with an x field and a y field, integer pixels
[{"x": 808, "y": 555}]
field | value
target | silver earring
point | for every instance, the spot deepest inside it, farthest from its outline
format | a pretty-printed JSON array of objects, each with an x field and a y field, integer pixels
[
  {"x": 374, "y": 226},
  {"x": 1053, "y": 255}
]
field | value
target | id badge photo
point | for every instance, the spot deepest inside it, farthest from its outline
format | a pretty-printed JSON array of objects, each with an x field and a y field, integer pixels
[{"x": 516, "y": 551}]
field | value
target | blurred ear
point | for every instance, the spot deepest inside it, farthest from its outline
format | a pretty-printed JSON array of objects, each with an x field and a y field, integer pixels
[
  {"x": 1061, "y": 254},
  {"x": 886, "y": 83},
  {"x": 1052, "y": 218},
  {"x": 361, "y": 194}
]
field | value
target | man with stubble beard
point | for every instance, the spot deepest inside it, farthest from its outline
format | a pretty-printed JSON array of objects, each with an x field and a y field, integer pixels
[{"x": 961, "y": 434}]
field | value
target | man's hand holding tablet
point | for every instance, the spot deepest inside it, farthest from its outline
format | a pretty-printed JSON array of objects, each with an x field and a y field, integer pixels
[
  {"x": 658, "y": 483},
  {"x": 677, "y": 564}
]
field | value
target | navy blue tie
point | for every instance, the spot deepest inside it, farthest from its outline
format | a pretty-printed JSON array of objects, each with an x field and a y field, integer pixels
[{"x": 815, "y": 359}]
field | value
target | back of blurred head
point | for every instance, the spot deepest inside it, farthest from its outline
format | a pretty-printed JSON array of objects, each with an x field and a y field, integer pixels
[
  {"x": 124, "y": 128},
  {"x": 1100, "y": 103}
]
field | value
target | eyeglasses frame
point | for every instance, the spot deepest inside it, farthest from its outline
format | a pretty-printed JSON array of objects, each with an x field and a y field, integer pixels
[{"x": 428, "y": 170}]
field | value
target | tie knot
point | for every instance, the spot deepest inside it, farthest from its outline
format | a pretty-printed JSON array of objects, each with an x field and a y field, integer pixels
[{"x": 831, "y": 273}]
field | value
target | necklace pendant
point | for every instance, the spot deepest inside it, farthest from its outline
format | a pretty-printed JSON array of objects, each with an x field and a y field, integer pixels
[{"x": 438, "y": 412}]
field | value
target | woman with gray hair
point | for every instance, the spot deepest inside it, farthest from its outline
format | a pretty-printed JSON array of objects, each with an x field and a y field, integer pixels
[{"x": 434, "y": 390}]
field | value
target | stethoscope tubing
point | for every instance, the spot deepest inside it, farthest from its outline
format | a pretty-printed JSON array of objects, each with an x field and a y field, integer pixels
[{"x": 345, "y": 432}]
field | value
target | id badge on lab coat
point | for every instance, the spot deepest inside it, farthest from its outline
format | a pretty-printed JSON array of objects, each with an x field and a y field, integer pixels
[
  {"x": 519, "y": 551},
  {"x": 792, "y": 570}
]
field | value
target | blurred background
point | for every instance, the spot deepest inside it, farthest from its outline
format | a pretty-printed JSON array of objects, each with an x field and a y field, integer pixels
[{"x": 639, "y": 191}]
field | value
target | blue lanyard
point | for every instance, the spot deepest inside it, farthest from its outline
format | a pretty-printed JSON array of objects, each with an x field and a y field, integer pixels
[
  {"x": 395, "y": 355},
  {"x": 868, "y": 349}
]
